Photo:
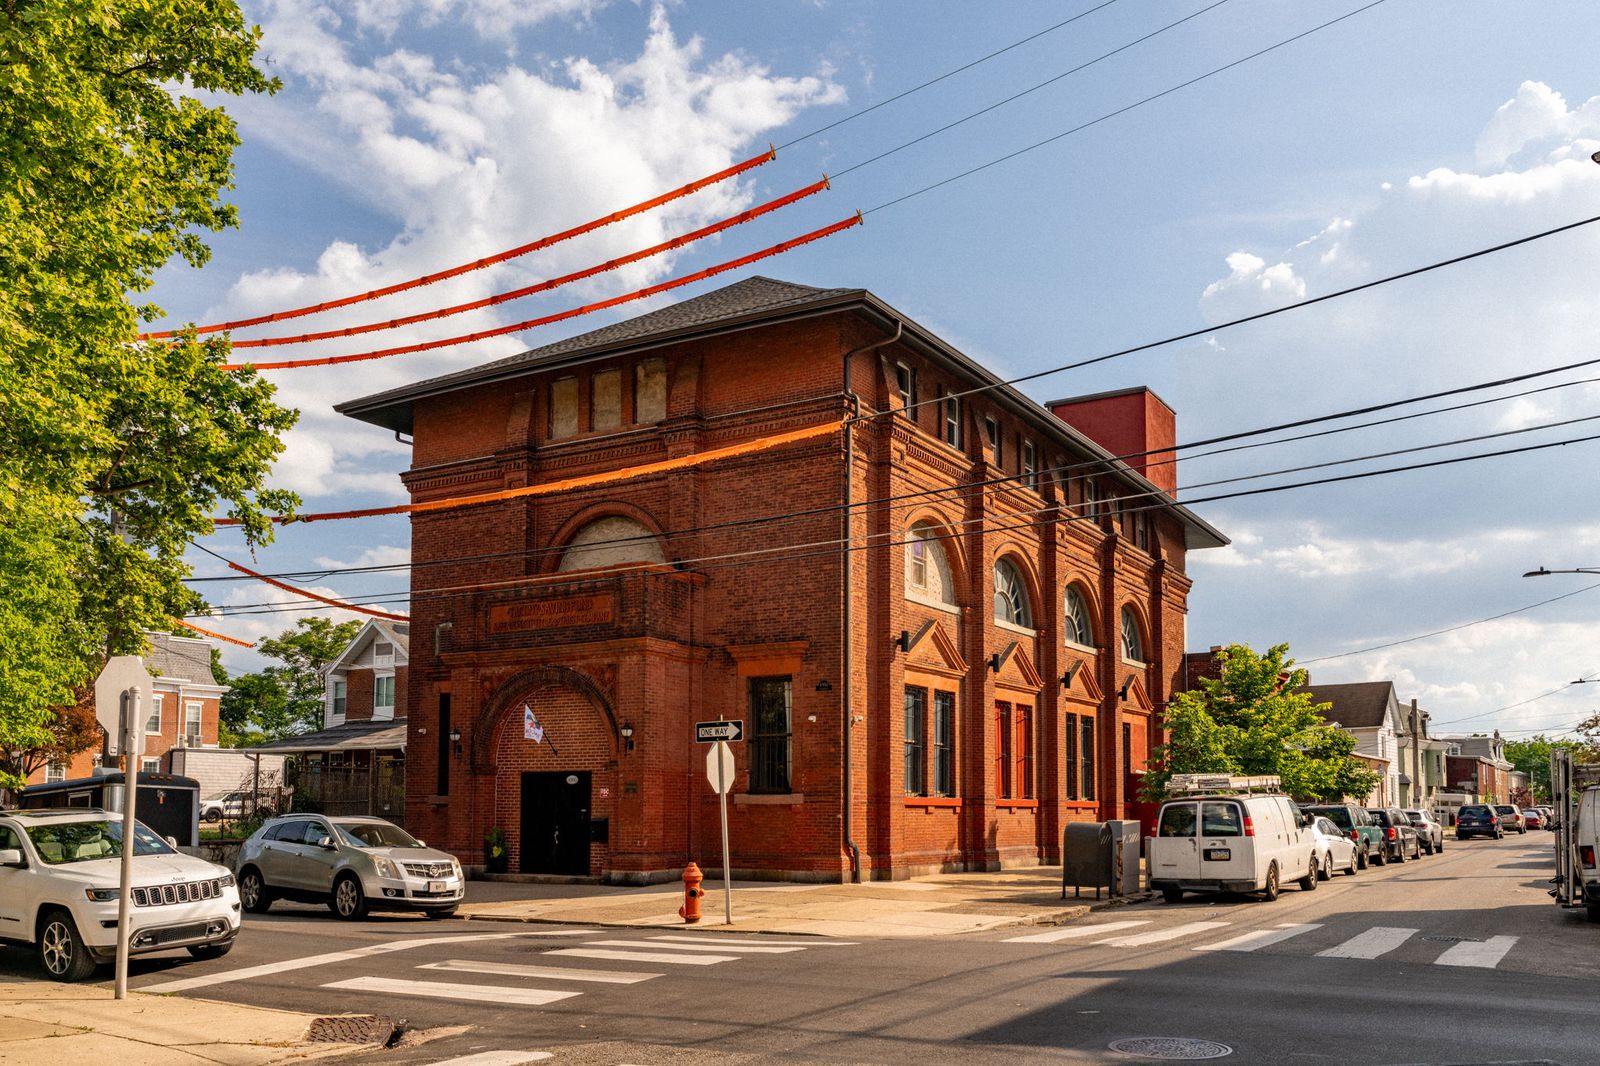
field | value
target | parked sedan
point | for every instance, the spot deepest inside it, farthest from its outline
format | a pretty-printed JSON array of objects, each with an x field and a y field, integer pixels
[
  {"x": 1399, "y": 838},
  {"x": 1533, "y": 818},
  {"x": 1430, "y": 832},
  {"x": 1335, "y": 849},
  {"x": 352, "y": 864},
  {"x": 1478, "y": 820},
  {"x": 1357, "y": 824},
  {"x": 1510, "y": 816}
]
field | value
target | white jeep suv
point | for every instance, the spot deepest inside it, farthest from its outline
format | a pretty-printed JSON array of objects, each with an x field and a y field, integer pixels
[{"x": 59, "y": 876}]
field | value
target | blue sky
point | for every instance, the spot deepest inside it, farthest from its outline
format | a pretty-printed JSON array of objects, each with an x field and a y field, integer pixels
[{"x": 414, "y": 134}]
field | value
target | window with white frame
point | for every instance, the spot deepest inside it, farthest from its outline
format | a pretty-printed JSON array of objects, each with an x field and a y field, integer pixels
[
  {"x": 1078, "y": 628},
  {"x": 383, "y": 651},
  {"x": 1132, "y": 643},
  {"x": 191, "y": 721},
  {"x": 383, "y": 696},
  {"x": 991, "y": 430},
  {"x": 150, "y": 766},
  {"x": 905, "y": 383},
  {"x": 1011, "y": 595},
  {"x": 337, "y": 697},
  {"x": 952, "y": 420},
  {"x": 55, "y": 770},
  {"x": 1030, "y": 465},
  {"x": 152, "y": 724},
  {"x": 927, "y": 569}
]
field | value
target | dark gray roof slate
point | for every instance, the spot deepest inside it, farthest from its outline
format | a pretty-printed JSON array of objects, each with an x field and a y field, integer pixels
[
  {"x": 381, "y": 735},
  {"x": 1359, "y": 705},
  {"x": 179, "y": 657}
]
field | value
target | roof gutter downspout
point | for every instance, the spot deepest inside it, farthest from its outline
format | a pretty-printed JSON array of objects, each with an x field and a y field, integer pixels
[{"x": 847, "y": 598}]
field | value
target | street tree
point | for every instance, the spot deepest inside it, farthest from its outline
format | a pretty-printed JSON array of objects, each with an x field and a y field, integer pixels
[
  {"x": 1257, "y": 719},
  {"x": 114, "y": 453},
  {"x": 286, "y": 698},
  {"x": 69, "y": 731},
  {"x": 1532, "y": 757}
]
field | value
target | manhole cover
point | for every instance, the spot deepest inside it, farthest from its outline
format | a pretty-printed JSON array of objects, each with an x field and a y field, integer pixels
[
  {"x": 1443, "y": 939},
  {"x": 1171, "y": 1047},
  {"x": 350, "y": 1029}
]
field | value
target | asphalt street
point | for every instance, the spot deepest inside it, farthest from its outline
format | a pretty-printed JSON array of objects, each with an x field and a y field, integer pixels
[{"x": 1458, "y": 958}]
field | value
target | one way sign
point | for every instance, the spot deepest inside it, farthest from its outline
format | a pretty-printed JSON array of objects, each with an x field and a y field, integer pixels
[{"x": 711, "y": 732}]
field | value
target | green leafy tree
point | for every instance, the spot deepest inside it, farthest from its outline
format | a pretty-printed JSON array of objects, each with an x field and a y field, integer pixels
[
  {"x": 1256, "y": 718},
  {"x": 113, "y": 453},
  {"x": 285, "y": 699},
  {"x": 69, "y": 731},
  {"x": 1532, "y": 757}
]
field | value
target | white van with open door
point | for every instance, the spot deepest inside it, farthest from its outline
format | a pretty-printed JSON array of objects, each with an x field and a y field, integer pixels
[{"x": 1218, "y": 833}]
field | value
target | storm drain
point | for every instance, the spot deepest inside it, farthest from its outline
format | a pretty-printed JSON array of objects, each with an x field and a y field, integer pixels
[
  {"x": 354, "y": 1029},
  {"x": 1442, "y": 938},
  {"x": 1171, "y": 1048}
]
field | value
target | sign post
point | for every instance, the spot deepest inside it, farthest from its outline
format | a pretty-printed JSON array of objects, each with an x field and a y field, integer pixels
[
  {"x": 117, "y": 707},
  {"x": 719, "y": 771}
]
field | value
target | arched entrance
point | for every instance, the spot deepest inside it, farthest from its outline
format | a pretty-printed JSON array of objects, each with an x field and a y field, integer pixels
[{"x": 550, "y": 740}]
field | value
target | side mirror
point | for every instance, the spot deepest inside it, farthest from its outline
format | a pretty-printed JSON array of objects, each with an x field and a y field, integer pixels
[
  {"x": 422, "y": 843},
  {"x": 12, "y": 857},
  {"x": 172, "y": 842},
  {"x": 325, "y": 843}
]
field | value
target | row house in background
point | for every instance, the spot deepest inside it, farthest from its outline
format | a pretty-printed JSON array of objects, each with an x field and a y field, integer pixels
[
  {"x": 948, "y": 619},
  {"x": 356, "y": 764},
  {"x": 1477, "y": 767},
  {"x": 182, "y": 708}
]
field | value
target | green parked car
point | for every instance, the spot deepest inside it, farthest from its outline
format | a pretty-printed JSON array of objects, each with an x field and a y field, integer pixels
[{"x": 1354, "y": 822}]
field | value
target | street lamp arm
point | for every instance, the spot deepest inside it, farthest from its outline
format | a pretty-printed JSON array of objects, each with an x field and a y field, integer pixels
[{"x": 1542, "y": 572}]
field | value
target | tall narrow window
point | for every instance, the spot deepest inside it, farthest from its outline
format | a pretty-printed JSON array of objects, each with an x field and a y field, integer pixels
[
  {"x": 1091, "y": 498},
  {"x": 650, "y": 391},
  {"x": 916, "y": 753},
  {"x": 905, "y": 383},
  {"x": 1127, "y": 749},
  {"x": 919, "y": 562},
  {"x": 769, "y": 746},
  {"x": 1030, "y": 465},
  {"x": 1086, "y": 757},
  {"x": 1011, "y": 595},
  {"x": 152, "y": 724},
  {"x": 944, "y": 731},
  {"x": 563, "y": 407},
  {"x": 1002, "y": 749},
  {"x": 1078, "y": 629},
  {"x": 1024, "y": 750},
  {"x": 1141, "y": 532},
  {"x": 191, "y": 723},
  {"x": 338, "y": 697},
  {"x": 1132, "y": 644},
  {"x": 991, "y": 430},
  {"x": 1071, "y": 735},
  {"x": 605, "y": 398},
  {"x": 383, "y": 697},
  {"x": 952, "y": 420}
]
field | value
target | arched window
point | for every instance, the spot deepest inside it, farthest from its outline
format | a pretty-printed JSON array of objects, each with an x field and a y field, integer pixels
[
  {"x": 609, "y": 542},
  {"x": 1078, "y": 628},
  {"x": 927, "y": 569},
  {"x": 1011, "y": 595},
  {"x": 1132, "y": 645}
]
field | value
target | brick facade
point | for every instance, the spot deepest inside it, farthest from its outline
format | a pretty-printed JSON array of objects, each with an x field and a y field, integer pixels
[{"x": 741, "y": 600}]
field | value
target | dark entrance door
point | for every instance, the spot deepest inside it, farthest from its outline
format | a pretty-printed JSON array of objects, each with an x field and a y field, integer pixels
[{"x": 555, "y": 822}]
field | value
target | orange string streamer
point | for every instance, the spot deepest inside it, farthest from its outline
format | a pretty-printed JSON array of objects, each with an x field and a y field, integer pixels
[
  {"x": 478, "y": 264},
  {"x": 214, "y": 636},
  {"x": 561, "y": 316},
  {"x": 584, "y": 481},
  {"x": 275, "y": 583},
  {"x": 553, "y": 283}
]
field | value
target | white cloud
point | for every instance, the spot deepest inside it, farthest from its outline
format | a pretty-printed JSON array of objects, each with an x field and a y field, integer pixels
[
  {"x": 1250, "y": 284},
  {"x": 379, "y": 555},
  {"x": 1535, "y": 116}
]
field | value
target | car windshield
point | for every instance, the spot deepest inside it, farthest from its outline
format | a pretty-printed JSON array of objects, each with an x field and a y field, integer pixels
[
  {"x": 1336, "y": 815},
  {"x": 65, "y": 842},
  {"x": 375, "y": 835}
]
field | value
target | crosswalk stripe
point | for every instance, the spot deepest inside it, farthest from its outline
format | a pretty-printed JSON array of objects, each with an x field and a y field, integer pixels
[
  {"x": 560, "y": 973},
  {"x": 1487, "y": 954},
  {"x": 642, "y": 956},
  {"x": 1260, "y": 938},
  {"x": 1159, "y": 935},
  {"x": 1379, "y": 940},
  {"x": 496, "y": 1058},
  {"x": 763, "y": 942},
  {"x": 688, "y": 943},
  {"x": 524, "y": 997},
  {"x": 1073, "y": 932}
]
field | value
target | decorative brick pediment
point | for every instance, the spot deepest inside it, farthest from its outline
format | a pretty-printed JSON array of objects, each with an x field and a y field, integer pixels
[
  {"x": 1017, "y": 670},
  {"x": 934, "y": 651},
  {"x": 1082, "y": 688},
  {"x": 1138, "y": 699}
]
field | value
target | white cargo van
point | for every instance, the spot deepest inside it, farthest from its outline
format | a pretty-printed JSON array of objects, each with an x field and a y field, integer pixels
[
  {"x": 1575, "y": 792},
  {"x": 1219, "y": 833}
]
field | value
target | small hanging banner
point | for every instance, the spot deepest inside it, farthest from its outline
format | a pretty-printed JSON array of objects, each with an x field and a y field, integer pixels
[{"x": 531, "y": 729}]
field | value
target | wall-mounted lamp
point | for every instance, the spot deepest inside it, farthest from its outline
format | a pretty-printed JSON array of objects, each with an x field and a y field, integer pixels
[
  {"x": 455, "y": 738},
  {"x": 824, "y": 685},
  {"x": 627, "y": 736},
  {"x": 994, "y": 663},
  {"x": 1127, "y": 686},
  {"x": 1072, "y": 672},
  {"x": 903, "y": 641}
]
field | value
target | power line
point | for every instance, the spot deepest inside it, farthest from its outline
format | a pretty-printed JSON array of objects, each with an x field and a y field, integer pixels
[{"x": 1530, "y": 699}]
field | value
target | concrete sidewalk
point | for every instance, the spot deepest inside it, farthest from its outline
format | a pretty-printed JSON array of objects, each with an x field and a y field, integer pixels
[
  {"x": 938, "y": 905},
  {"x": 44, "y": 1022}
]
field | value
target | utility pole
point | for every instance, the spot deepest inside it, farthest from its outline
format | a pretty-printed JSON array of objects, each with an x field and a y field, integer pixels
[{"x": 1416, "y": 756}]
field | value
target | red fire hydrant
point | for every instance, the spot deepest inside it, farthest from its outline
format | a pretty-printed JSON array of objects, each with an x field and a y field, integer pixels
[{"x": 690, "y": 911}]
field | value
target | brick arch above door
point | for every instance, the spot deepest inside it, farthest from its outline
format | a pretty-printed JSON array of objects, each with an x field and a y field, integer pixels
[{"x": 509, "y": 697}]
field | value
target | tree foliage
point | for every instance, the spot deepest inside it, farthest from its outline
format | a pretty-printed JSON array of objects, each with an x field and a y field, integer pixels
[
  {"x": 113, "y": 453},
  {"x": 69, "y": 731},
  {"x": 1532, "y": 757},
  {"x": 1257, "y": 719},
  {"x": 285, "y": 699}
]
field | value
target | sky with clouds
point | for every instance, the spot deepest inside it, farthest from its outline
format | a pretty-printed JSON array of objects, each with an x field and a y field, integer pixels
[{"x": 414, "y": 134}]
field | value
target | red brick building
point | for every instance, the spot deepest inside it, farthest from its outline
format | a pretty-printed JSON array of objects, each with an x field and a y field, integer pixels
[{"x": 977, "y": 655}]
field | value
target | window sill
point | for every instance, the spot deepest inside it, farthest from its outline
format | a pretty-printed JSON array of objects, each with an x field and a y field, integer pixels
[
  {"x": 1137, "y": 664},
  {"x": 1031, "y": 634},
  {"x": 1016, "y": 805},
  {"x": 1087, "y": 649},
  {"x": 769, "y": 799},
  {"x": 934, "y": 602},
  {"x": 1080, "y": 805},
  {"x": 948, "y": 802}
]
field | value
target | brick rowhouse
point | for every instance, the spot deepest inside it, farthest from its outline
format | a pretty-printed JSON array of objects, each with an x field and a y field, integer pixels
[{"x": 983, "y": 665}]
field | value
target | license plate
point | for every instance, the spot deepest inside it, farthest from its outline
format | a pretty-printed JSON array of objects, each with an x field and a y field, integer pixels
[
  {"x": 1219, "y": 854},
  {"x": 435, "y": 886}
]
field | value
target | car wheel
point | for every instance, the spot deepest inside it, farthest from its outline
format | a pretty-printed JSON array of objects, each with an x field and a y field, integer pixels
[
  {"x": 441, "y": 913},
  {"x": 1399, "y": 853},
  {"x": 210, "y": 951},
  {"x": 1439, "y": 847},
  {"x": 1382, "y": 857},
  {"x": 1361, "y": 859},
  {"x": 1351, "y": 869},
  {"x": 254, "y": 895},
  {"x": 1308, "y": 883},
  {"x": 1270, "y": 892},
  {"x": 211, "y": 816},
  {"x": 1325, "y": 871},
  {"x": 349, "y": 902},
  {"x": 60, "y": 949}
]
